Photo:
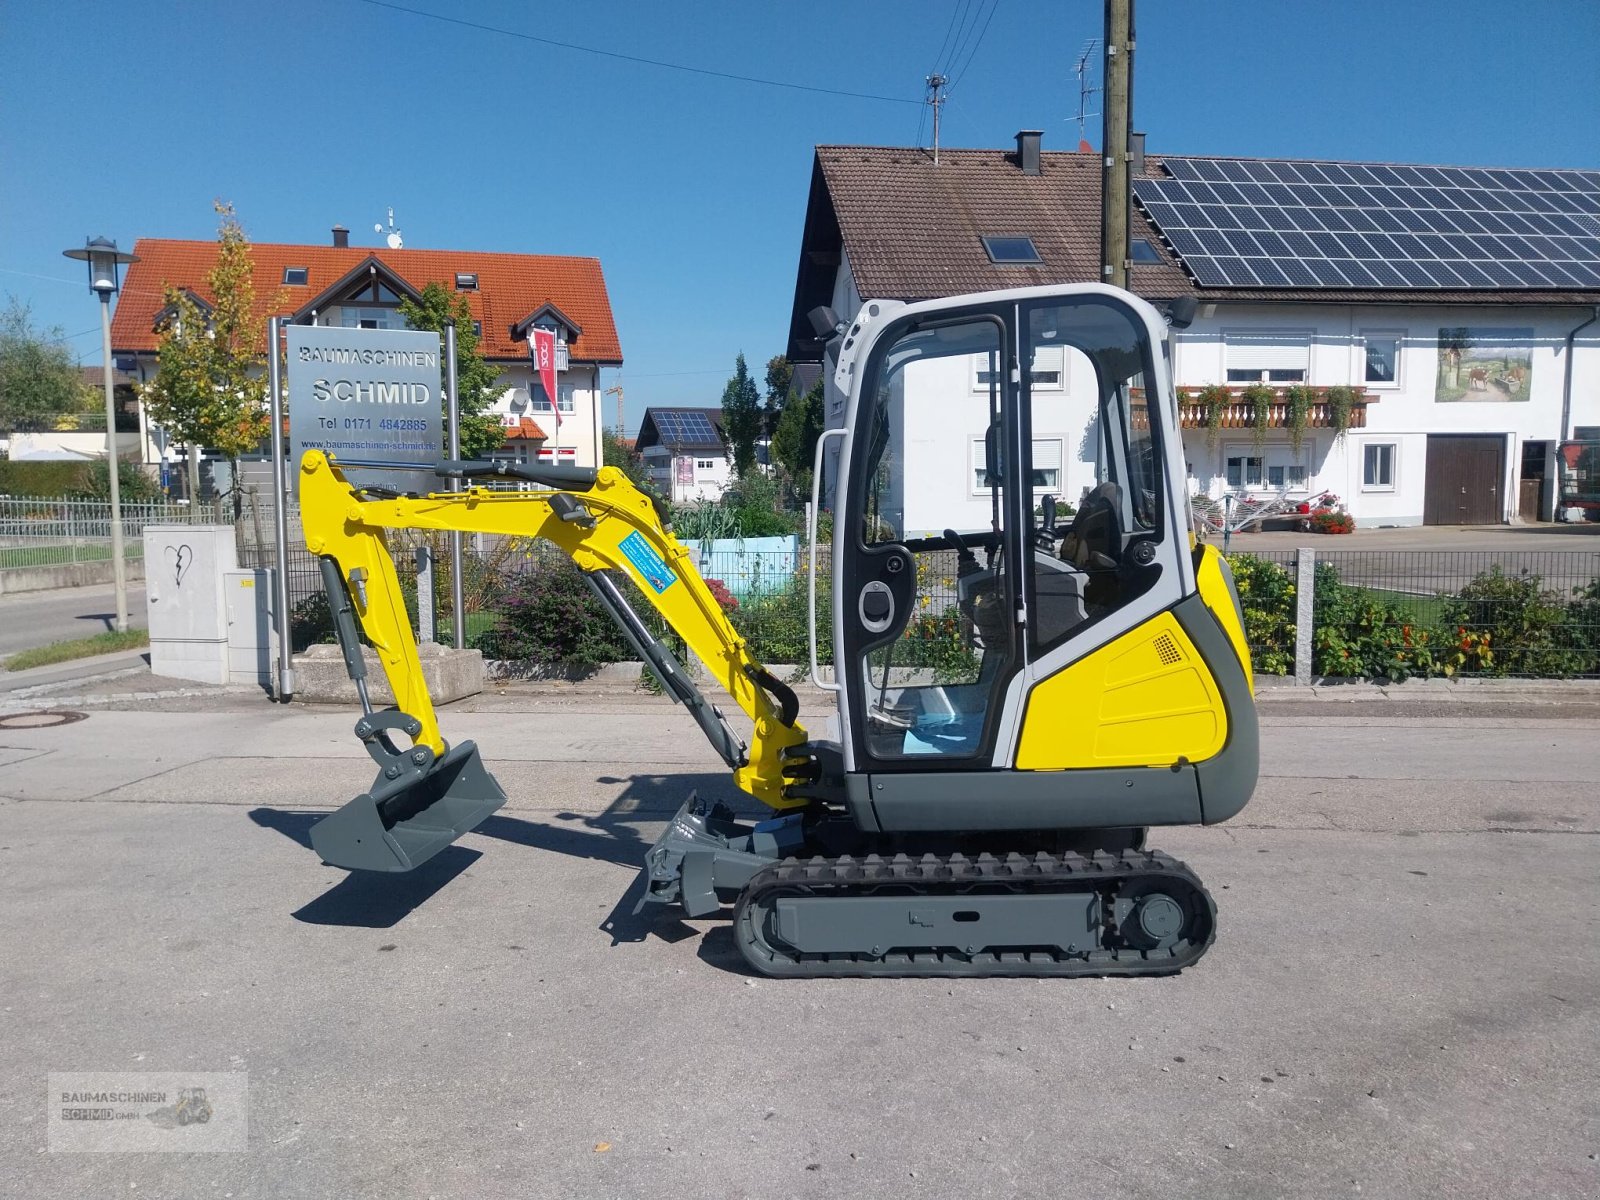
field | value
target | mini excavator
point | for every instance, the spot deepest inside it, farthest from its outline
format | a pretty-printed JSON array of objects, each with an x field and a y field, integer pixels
[{"x": 985, "y": 819}]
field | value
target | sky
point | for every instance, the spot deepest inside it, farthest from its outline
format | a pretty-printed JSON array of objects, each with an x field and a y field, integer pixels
[{"x": 691, "y": 187}]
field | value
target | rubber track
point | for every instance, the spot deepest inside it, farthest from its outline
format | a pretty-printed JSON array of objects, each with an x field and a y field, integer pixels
[{"x": 954, "y": 874}]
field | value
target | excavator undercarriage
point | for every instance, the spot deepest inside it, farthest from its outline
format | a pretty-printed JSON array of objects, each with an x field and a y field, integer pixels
[{"x": 986, "y": 818}]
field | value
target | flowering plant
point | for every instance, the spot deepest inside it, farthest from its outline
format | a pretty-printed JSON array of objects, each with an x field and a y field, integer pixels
[{"x": 1332, "y": 520}]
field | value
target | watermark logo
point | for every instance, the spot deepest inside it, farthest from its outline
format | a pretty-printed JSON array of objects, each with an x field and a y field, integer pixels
[{"x": 149, "y": 1111}]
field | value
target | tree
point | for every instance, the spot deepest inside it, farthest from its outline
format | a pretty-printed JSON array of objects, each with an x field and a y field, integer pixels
[
  {"x": 617, "y": 451},
  {"x": 741, "y": 417},
  {"x": 794, "y": 444},
  {"x": 780, "y": 377},
  {"x": 477, "y": 382},
  {"x": 210, "y": 388},
  {"x": 38, "y": 382}
]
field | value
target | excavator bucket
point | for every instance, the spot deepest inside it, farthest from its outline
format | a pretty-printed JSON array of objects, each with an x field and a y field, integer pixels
[
  {"x": 420, "y": 802},
  {"x": 406, "y": 819}
]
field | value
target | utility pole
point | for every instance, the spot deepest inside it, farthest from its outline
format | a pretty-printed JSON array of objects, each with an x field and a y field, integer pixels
[
  {"x": 1114, "y": 186},
  {"x": 936, "y": 85}
]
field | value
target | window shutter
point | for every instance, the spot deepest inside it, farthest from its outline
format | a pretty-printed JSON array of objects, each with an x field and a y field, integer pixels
[{"x": 1267, "y": 350}]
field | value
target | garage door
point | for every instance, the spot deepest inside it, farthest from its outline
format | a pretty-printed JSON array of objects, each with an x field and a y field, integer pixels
[{"x": 1463, "y": 479}]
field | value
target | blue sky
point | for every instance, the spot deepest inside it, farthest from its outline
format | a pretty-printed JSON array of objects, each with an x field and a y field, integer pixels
[{"x": 691, "y": 189}]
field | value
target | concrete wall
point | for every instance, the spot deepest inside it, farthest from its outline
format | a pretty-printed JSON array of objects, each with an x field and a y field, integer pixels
[
  {"x": 41, "y": 579},
  {"x": 59, "y": 444}
]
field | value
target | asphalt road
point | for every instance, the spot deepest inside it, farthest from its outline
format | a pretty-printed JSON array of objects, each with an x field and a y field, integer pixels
[
  {"x": 1402, "y": 1000},
  {"x": 30, "y": 619}
]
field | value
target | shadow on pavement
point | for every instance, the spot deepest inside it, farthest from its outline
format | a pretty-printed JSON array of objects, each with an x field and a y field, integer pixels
[{"x": 381, "y": 899}]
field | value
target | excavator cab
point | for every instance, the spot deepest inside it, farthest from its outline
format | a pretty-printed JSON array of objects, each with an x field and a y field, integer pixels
[{"x": 1025, "y": 684}]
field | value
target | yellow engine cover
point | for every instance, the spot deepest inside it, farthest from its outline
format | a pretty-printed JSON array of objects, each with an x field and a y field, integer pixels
[{"x": 1145, "y": 699}]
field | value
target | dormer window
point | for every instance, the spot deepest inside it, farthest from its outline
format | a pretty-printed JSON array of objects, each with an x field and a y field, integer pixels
[
  {"x": 296, "y": 276},
  {"x": 466, "y": 281}
]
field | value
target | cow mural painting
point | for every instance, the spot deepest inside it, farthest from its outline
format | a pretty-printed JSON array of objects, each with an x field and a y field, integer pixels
[{"x": 1482, "y": 364}]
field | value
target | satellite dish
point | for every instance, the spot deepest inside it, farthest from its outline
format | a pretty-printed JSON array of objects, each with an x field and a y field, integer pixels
[
  {"x": 394, "y": 241},
  {"x": 378, "y": 228}
]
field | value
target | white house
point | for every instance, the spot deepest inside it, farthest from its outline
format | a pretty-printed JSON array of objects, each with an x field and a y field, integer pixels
[
  {"x": 685, "y": 452},
  {"x": 357, "y": 287},
  {"x": 1461, "y": 363}
]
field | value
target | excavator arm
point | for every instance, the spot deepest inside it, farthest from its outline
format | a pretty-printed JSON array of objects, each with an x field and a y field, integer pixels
[{"x": 606, "y": 526}]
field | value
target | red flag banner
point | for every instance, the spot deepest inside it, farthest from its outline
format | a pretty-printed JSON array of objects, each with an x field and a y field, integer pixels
[{"x": 542, "y": 346}]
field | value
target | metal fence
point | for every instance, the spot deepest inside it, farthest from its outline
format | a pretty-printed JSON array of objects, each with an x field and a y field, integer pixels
[
  {"x": 48, "y": 532},
  {"x": 1373, "y": 613},
  {"x": 1402, "y": 613}
]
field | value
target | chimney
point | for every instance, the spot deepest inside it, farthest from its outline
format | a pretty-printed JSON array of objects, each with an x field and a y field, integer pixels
[
  {"x": 1028, "y": 150},
  {"x": 341, "y": 238}
]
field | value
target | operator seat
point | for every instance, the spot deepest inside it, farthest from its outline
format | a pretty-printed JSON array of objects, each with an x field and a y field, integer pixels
[{"x": 1093, "y": 543}]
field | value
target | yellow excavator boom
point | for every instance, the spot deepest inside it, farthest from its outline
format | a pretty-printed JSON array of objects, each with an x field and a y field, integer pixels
[{"x": 608, "y": 526}]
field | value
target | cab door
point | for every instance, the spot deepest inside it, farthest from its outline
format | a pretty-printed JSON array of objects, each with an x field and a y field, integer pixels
[{"x": 929, "y": 582}]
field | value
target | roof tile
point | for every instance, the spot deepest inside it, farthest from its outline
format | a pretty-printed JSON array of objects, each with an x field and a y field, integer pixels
[{"x": 510, "y": 286}]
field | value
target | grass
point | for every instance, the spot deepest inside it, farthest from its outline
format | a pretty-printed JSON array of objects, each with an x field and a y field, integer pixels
[
  {"x": 59, "y": 652},
  {"x": 477, "y": 622},
  {"x": 1423, "y": 609}
]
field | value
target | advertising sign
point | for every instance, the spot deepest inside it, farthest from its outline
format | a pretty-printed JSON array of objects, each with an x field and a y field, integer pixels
[{"x": 370, "y": 394}]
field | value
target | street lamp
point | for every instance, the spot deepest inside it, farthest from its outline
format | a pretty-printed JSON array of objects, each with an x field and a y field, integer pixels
[{"x": 104, "y": 259}]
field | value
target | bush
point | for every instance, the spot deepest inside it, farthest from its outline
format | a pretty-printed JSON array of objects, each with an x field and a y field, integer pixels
[
  {"x": 1267, "y": 596},
  {"x": 1358, "y": 633},
  {"x": 549, "y": 615},
  {"x": 1530, "y": 631},
  {"x": 134, "y": 484},
  {"x": 311, "y": 622},
  {"x": 777, "y": 625},
  {"x": 45, "y": 479}
]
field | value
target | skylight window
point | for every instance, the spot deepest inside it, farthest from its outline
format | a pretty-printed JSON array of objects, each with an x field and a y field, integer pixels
[
  {"x": 466, "y": 281},
  {"x": 296, "y": 276},
  {"x": 1143, "y": 252},
  {"x": 1011, "y": 250}
]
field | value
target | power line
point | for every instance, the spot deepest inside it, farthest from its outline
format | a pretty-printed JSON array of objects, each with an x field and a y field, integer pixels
[
  {"x": 961, "y": 33},
  {"x": 973, "y": 53},
  {"x": 948, "y": 30},
  {"x": 634, "y": 58}
]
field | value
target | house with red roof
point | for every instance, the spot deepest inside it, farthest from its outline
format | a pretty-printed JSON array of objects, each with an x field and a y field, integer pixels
[{"x": 358, "y": 287}]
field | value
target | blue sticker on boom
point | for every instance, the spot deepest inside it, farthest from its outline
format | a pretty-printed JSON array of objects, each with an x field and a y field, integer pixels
[{"x": 647, "y": 562}]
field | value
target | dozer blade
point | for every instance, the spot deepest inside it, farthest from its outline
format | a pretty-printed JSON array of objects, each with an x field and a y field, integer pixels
[{"x": 405, "y": 820}]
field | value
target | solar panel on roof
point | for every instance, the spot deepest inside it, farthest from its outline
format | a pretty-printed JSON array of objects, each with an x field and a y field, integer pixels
[{"x": 1377, "y": 225}]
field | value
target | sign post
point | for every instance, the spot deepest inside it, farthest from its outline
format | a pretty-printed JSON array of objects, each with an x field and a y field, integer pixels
[
  {"x": 457, "y": 588},
  {"x": 280, "y": 509}
]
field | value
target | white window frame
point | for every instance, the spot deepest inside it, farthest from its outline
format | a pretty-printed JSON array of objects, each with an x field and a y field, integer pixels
[
  {"x": 980, "y": 371},
  {"x": 705, "y": 464},
  {"x": 1394, "y": 467},
  {"x": 1234, "y": 339},
  {"x": 383, "y": 317},
  {"x": 566, "y": 394},
  {"x": 1271, "y": 455},
  {"x": 1361, "y": 380},
  {"x": 567, "y": 456},
  {"x": 979, "y": 458}
]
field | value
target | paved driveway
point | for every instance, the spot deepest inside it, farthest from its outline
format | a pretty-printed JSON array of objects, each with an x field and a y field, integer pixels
[{"x": 1404, "y": 999}]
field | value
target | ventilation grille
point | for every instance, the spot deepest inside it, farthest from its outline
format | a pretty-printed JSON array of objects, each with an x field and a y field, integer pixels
[{"x": 1167, "y": 651}]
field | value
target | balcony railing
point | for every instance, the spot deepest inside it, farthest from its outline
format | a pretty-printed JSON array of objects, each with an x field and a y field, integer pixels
[{"x": 1240, "y": 413}]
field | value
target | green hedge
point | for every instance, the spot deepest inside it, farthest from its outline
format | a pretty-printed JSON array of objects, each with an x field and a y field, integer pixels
[{"x": 1496, "y": 625}]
